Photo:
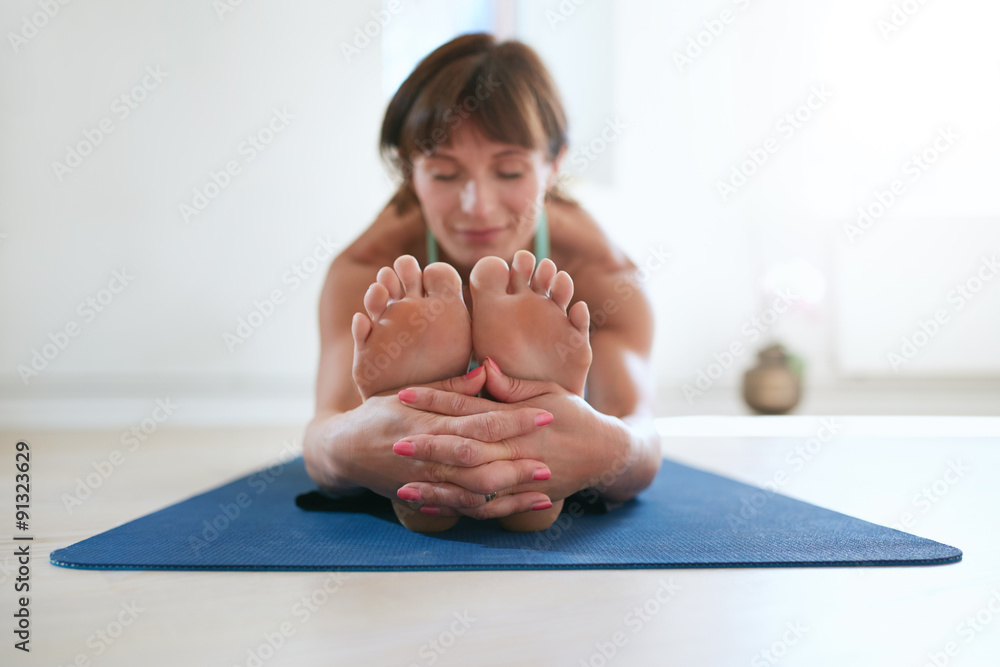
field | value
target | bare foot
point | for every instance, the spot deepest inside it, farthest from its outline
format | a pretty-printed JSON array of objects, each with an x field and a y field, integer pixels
[
  {"x": 520, "y": 321},
  {"x": 416, "y": 331},
  {"x": 411, "y": 518}
]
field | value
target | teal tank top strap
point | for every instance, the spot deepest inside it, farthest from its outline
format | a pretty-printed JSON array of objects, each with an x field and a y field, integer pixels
[
  {"x": 542, "y": 235},
  {"x": 432, "y": 246}
]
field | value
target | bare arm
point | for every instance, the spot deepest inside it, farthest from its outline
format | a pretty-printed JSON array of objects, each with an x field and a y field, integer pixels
[
  {"x": 336, "y": 394},
  {"x": 348, "y": 444},
  {"x": 621, "y": 383}
]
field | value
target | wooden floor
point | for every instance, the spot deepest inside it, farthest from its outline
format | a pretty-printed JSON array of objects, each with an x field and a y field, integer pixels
[{"x": 786, "y": 616}]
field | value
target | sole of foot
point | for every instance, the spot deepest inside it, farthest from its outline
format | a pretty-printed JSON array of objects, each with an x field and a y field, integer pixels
[
  {"x": 416, "y": 329},
  {"x": 520, "y": 321}
]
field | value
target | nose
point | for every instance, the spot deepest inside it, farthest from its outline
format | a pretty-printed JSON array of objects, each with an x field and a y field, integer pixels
[
  {"x": 468, "y": 196},
  {"x": 477, "y": 199}
]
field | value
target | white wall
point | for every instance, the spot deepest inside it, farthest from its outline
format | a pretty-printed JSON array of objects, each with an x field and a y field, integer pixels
[
  {"x": 657, "y": 187},
  {"x": 224, "y": 78},
  {"x": 694, "y": 124}
]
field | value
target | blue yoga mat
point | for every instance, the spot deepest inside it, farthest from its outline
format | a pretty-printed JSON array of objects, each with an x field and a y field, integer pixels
[{"x": 275, "y": 520}]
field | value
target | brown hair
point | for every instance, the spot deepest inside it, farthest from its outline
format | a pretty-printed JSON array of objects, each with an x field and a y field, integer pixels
[{"x": 503, "y": 88}]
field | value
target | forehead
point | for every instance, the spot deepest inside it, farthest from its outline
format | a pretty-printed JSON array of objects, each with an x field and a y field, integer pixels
[{"x": 466, "y": 141}]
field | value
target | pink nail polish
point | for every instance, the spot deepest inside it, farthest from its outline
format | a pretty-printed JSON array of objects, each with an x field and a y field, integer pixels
[
  {"x": 409, "y": 494},
  {"x": 538, "y": 506},
  {"x": 426, "y": 509},
  {"x": 493, "y": 364},
  {"x": 407, "y": 395},
  {"x": 542, "y": 474},
  {"x": 403, "y": 448},
  {"x": 544, "y": 419},
  {"x": 474, "y": 372}
]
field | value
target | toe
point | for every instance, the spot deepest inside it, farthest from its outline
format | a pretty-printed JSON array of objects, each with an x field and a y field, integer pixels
[
  {"x": 490, "y": 276},
  {"x": 441, "y": 279},
  {"x": 376, "y": 300},
  {"x": 579, "y": 317},
  {"x": 388, "y": 278},
  {"x": 562, "y": 289},
  {"x": 542, "y": 280},
  {"x": 361, "y": 328},
  {"x": 521, "y": 268},
  {"x": 408, "y": 271}
]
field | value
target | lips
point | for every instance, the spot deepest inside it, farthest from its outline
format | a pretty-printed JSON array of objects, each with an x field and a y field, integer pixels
[{"x": 480, "y": 235}]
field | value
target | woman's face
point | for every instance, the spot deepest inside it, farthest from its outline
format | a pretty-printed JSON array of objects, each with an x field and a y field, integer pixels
[{"x": 480, "y": 197}]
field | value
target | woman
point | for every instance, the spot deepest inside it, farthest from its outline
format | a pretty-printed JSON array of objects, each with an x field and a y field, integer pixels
[{"x": 477, "y": 133}]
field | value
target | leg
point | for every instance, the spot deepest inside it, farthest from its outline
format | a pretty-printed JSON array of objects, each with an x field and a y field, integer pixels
[
  {"x": 520, "y": 320},
  {"x": 416, "y": 330}
]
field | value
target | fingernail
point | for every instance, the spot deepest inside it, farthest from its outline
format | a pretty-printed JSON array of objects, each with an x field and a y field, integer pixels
[
  {"x": 407, "y": 395},
  {"x": 542, "y": 474},
  {"x": 544, "y": 419},
  {"x": 406, "y": 493},
  {"x": 474, "y": 372},
  {"x": 537, "y": 506},
  {"x": 494, "y": 365},
  {"x": 403, "y": 448},
  {"x": 426, "y": 509}
]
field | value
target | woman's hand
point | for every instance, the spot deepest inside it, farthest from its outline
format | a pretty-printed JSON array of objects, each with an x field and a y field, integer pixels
[
  {"x": 581, "y": 447},
  {"x": 356, "y": 448}
]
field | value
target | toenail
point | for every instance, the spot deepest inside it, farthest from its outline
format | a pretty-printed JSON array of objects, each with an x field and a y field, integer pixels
[{"x": 407, "y": 395}]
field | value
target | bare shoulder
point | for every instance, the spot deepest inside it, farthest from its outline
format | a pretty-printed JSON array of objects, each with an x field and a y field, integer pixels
[
  {"x": 580, "y": 245},
  {"x": 582, "y": 248},
  {"x": 603, "y": 275},
  {"x": 355, "y": 268},
  {"x": 391, "y": 234}
]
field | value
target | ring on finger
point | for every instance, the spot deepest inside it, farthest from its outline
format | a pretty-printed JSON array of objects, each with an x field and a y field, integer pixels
[{"x": 490, "y": 496}]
